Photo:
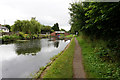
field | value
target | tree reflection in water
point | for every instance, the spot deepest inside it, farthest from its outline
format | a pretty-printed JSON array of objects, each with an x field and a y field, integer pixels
[
  {"x": 29, "y": 47},
  {"x": 56, "y": 44}
]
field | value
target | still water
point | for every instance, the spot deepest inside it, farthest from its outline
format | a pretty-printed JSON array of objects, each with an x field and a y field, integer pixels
[{"x": 20, "y": 60}]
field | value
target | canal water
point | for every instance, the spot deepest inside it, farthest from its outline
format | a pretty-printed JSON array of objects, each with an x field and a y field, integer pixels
[{"x": 23, "y": 59}]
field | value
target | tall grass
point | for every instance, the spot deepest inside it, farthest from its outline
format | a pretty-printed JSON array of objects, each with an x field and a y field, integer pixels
[{"x": 96, "y": 60}]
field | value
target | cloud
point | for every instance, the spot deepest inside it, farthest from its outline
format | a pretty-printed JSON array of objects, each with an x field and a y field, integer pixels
[
  {"x": 47, "y": 12},
  {"x": 10, "y": 15},
  {"x": 47, "y": 20}
]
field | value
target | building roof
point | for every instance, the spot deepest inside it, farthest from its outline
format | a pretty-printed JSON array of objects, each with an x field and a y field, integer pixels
[{"x": 1, "y": 27}]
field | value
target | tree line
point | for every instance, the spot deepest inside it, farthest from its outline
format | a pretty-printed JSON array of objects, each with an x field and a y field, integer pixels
[
  {"x": 32, "y": 27},
  {"x": 97, "y": 20}
]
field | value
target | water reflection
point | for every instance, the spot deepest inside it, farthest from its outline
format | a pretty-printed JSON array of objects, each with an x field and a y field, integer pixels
[
  {"x": 56, "y": 44},
  {"x": 21, "y": 66},
  {"x": 29, "y": 47},
  {"x": 56, "y": 41}
]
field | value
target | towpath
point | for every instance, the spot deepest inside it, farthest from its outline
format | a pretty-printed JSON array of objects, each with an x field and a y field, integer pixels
[{"x": 78, "y": 69}]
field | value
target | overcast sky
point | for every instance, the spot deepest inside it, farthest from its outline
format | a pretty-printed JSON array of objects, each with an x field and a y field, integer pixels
[{"x": 47, "y": 12}]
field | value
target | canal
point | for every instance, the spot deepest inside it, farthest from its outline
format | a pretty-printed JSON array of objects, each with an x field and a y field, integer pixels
[{"x": 23, "y": 59}]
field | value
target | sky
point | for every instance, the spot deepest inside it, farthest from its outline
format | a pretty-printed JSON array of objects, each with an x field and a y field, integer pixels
[{"x": 47, "y": 12}]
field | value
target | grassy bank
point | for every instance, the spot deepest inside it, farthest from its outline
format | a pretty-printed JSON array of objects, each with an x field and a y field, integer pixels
[
  {"x": 69, "y": 36},
  {"x": 96, "y": 61},
  {"x": 21, "y": 36},
  {"x": 62, "y": 66}
]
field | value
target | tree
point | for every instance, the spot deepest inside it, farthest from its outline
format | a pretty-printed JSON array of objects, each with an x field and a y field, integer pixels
[
  {"x": 62, "y": 30},
  {"x": 45, "y": 29},
  {"x": 56, "y": 27},
  {"x": 77, "y": 17},
  {"x": 35, "y": 26},
  {"x": 7, "y": 26},
  {"x": 17, "y": 26},
  {"x": 97, "y": 21},
  {"x": 26, "y": 26}
]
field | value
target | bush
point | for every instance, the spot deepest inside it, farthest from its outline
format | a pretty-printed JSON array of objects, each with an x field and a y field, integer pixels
[
  {"x": 46, "y": 35},
  {"x": 14, "y": 37},
  {"x": 10, "y": 38},
  {"x": 5, "y": 38},
  {"x": 97, "y": 61},
  {"x": 26, "y": 36},
  {"x": 21, "y": 34},
  {"x": 35, "y": 35},
  {"x": 43, "y": 36}
]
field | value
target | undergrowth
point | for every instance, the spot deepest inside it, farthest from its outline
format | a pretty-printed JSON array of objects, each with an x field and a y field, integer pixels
[{"x": 97, "y": 60}]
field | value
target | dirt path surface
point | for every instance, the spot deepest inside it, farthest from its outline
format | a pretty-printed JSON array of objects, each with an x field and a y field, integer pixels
[{"x": 78, "y": 69}]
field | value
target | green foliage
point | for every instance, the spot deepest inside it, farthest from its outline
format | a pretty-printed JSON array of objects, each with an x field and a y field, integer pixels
[
  {"x": 102, "y": 52},
  {"x": 35, "y": 27},
  {"x": 1, "y": 31},
  {"x": 21, "y": 34},
  {"x": 17, "y": 26},
  {"x": 96, "y": 67},
  {"x": 45, "y": 29},
  {"x": 77, "y": 17},
  {"x": 98, "y": 20},
  {"x": 8, "y": 26},
  {"x": 44, "y": 36},
  {"x": 52, "y": 30},
  {"x": 56, "y": 56},
  {"x": 10, "y": 38},
  {"x": 56, "y": 27},
  {"x": 30, "y": 47},
  {"x": 31, "y": 27},
  {"x": 69, "y": 36},
  {"x": 5, "y": 38},
  {"x": 35, "y": 35},
  {"x": 62, "y": 30},
  {"x": 62, "y": 36}
]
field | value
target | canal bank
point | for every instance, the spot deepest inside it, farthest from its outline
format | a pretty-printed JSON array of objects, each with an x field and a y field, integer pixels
[{"x": 61, "y": 66}]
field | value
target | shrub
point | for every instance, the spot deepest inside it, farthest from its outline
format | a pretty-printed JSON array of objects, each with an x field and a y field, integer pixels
[
  {"x": 43, "y": 36},
  {"x": 5, "y": 38},
  {"x": 26, "y": 36},
  {"x": 21, "y": 34},
  {"x": 35, "y": 35},
  {"x": 10, "y": 38},
  {"x": 102, "y": 52}
]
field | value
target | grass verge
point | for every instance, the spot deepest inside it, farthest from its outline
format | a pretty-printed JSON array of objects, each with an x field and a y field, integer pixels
[
  {"x": 96, "y": 67},
  {"x": 42, "y": 69},
  {"x": 63, "y": 65},
  {"x": 69, "y": 36}
]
